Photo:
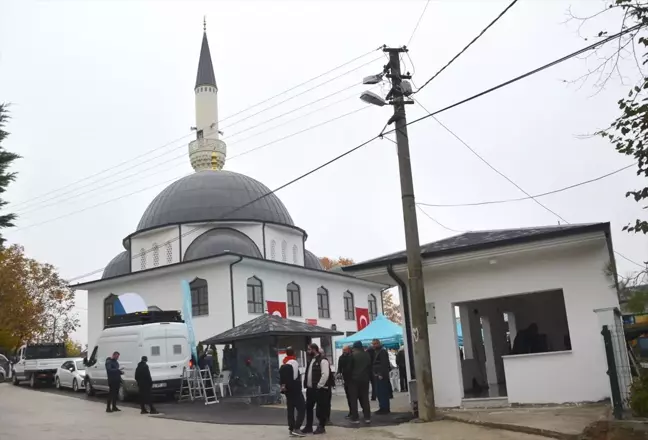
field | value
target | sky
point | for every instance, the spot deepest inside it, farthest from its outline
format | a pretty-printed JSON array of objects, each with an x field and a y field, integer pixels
[{"x": 102, "y": 105}]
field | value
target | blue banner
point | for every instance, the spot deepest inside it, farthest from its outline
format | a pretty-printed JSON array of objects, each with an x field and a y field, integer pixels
[{"x": 186, "y": 314}]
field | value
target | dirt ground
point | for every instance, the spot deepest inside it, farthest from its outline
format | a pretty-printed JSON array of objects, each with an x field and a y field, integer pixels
[{"x": 615, "y": 431}]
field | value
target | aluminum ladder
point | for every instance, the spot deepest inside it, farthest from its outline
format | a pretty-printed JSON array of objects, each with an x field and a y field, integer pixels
[{"x": 197, "y": 384}]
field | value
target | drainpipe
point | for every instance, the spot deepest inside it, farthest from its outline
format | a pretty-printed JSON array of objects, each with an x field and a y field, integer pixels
[
  {"x": 406, "y": 318},
  {"x": 231, "y": 271}
]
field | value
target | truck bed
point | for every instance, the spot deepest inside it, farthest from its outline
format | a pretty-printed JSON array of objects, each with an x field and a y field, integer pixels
[{"x": 44, "y": 364}]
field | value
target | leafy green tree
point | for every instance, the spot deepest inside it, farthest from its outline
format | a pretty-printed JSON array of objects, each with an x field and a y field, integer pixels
[{"x": 6, "y": 177}]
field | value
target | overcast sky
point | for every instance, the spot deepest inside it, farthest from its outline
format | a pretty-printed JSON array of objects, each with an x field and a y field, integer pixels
[{"x": 96, "y": 84}]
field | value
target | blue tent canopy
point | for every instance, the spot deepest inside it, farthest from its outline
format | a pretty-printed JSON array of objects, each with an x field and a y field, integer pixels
[
  {"x": 389, "y": 333},
  {"x": 459, "y": 332}
]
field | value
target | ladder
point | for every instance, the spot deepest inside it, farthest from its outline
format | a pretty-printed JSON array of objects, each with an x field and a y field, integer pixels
[{"x": 197, "y": 384}]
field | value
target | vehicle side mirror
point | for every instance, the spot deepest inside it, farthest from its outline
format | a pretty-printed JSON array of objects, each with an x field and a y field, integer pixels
[
  {"x": 85, "y": 361},
  {"x": 71, "y": 369}
]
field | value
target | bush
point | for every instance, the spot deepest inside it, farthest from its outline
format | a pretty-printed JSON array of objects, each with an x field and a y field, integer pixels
[{"x": 639, "y": 395}]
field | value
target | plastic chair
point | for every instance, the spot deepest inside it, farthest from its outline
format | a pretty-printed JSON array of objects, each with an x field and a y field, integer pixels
[{"x": 223, "y": 382}]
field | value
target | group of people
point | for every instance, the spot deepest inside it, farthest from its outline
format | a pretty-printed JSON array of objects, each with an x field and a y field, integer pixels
[
  {"x": 359, "y": 369},
  {"x": 142, "y": 377}
]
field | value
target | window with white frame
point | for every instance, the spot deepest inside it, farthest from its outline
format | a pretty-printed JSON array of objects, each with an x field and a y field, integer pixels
[
  {"x": 373, "y": 307},
  {"x": 199, "y": 297},
  {"x": 349, "y": 306},
  {"x": 255, "y": 295},
  {"x": 323, "y": 308},
  {"x": 294, "y": 299},
  {"x": 295, "y": 250}
]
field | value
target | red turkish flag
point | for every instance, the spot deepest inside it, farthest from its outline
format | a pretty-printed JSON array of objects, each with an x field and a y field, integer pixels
[
  {"x": 277, "y": 308},
  {"x": 362, "y": 317}
]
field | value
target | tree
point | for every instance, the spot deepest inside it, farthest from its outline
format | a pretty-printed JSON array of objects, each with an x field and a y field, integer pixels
[
  {"x": 329, "y": 263},
  {"x": 73, "y": 348},
  {"x": 390, "y": 308},
  {"x": 6, "y": 159},
  {"x": 36, "y": 303}
]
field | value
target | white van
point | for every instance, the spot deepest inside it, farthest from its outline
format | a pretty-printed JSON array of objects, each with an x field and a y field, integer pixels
[{"x": 166, "y": 344}]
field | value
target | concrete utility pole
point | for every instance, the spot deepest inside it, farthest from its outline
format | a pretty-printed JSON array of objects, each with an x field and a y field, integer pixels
[{"x": 424, "y": 386}]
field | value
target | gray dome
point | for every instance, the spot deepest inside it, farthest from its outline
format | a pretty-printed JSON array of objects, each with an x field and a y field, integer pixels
[
  {"x": 213, "y": 195},
  {"x": 219, "y": 240},
  {"x": 311, "y": 261},
  {"x": 120, "y": 265}
]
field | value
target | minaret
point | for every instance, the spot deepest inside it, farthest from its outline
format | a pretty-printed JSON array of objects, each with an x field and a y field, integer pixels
[{"x": 207, "y": 152}]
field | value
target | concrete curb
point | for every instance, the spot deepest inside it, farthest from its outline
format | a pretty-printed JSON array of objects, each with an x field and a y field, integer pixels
[{"x": 514, "y": 428}]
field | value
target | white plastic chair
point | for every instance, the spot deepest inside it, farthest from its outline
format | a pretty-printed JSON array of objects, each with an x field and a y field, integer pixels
[{"x": 223, "y": 382}]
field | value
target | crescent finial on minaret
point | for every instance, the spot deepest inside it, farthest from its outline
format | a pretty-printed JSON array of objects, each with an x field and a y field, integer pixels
[{"x": 204, "y": 23}]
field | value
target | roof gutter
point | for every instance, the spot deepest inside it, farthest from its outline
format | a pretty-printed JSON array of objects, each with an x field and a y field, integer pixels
[
  {"x": 406, "y": 318},
  {"x": 231, "y": 273}
]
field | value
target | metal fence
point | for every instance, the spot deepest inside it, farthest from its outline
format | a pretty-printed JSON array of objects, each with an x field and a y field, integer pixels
[{"x": 619, "y": 368}]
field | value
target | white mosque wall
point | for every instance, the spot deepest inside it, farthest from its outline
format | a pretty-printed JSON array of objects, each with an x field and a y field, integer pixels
[
  {"x": 143, "y": 248},
  {"x": 164, "y": 290},
  {"x": 284, "y": 244},
  {"x": 207, "y": 111},
  {"x": 192, "y": 231}
]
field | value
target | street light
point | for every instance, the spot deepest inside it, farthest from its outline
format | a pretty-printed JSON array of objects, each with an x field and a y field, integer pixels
[{"x": 373, "y": 98}]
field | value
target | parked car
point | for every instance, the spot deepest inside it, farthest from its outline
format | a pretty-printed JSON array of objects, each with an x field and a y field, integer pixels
[
  {"x": 3, "y": 374},
  {"x": 5, "y": 366},
  {"x": 37, "y": 363},
  {"x": 71, "y": 375}
]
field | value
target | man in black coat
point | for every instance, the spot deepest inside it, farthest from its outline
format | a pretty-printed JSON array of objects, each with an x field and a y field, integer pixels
[
  {"x": 381, "y": 367},
  {"x": 360, "y": 366},
  {"x": 291, "y": 387},
  {"x": 344, "y": 371},
  {"x": 144, "y": 385},
  {"x": 114, "y": 374},
  {"x": 402, "y": 370}
]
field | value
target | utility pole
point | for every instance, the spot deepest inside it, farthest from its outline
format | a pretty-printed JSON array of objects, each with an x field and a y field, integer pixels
[{"x": 422, "y": 362}]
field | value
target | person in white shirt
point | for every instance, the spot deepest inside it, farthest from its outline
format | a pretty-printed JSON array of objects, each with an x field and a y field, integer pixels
[{"x": 318, "y": 381}]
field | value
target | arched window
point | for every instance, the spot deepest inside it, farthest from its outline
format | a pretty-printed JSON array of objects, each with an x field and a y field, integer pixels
[
  {"x": 142, "y": 258},
  {"x": 273, "y": 250},
  {"x": 295, "y": 253},
  {"x": 294, "y": 300},
  {"x": 156, "y": 255},
  {"x": 373, "y": 307},
  {"x": 199, "y": 297},
  {"x": 109, "y": 307},
  {"x": 349, "y": 307},
  {"x": 255, "y": 295},
  {"x": 169, "y": 253},
  {"x": 323, "y": 309},
  {"x": 284, "y": 249}
]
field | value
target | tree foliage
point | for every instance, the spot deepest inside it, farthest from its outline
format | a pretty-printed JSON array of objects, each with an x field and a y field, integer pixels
[
  {"x": 73, "y": 348},
  {"x": 390, "y": 308},
  {"x": 331, "y": 263},
  {"x": 6, "y": 177},
  {"x": 36, "y": 303}
]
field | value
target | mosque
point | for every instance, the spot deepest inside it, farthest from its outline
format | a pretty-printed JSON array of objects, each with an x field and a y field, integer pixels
[{"x": 235, "y": 243}]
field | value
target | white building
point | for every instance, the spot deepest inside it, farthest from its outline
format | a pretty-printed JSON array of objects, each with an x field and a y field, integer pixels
[
  {"x": 233, "y": 240},
  {"x": 502, "y": 282}
]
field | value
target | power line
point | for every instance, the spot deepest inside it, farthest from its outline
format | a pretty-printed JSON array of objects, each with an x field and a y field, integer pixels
[
  {"x": 13, "y": 206},
  {"x": 529, "y": 196},
  {"x": 183, "y": 155},
  {"x": 456, "y": 104},
  {"x": 468, "y": 45},
  {"x": 437, "y": 221},
  {"x": 418, "y": 22},
  {"x": 519, "y": 199}
]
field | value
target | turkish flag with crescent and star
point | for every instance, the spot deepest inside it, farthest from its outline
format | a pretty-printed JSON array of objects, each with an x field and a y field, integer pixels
[
  {"x": 277, "y": 308},
  {"x": 362, "y": 317}
]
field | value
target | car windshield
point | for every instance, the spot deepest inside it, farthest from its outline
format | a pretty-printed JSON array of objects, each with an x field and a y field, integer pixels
[
  {"x": 79, "y": 365},
  {"x": 45, "y": 351}
]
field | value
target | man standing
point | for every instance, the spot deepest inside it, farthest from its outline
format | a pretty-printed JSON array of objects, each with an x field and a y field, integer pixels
[
  {"x": 381, "y": 369},
  {"x": 114, "y": 381},
  {"x": 402, "y": 370},
  {"x": 359, "y": 385},
  {"x": 144, "y": 385},
  {"x": 291, "y": 387},
  {"x": 372, "y": 356},
  {"x": 344, "y": 371},
  {"x": 318, "y": 381}
]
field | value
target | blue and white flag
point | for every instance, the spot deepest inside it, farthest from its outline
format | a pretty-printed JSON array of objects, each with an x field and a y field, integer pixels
[
  {"x": 129, "y": 303},
  {"x": 187, "y": 315}
]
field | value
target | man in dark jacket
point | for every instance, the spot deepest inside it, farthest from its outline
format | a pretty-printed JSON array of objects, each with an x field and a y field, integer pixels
[
  {"x": 344, "y": 372},
  {"x": 372, "y": 356},
  {"x": 360, "y": 371},
  {"x": 318, "y": 381},
  {"x": 114, "y": 374},
  {"x": 402, "y": 370},
  {"x": 144, "y": 385},
  {"x": 291, "y": 387},
  {"x": 381, "y": 369}
]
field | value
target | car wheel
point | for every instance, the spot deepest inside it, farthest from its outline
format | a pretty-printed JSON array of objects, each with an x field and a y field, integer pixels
[
  {"x": 58, "y": 383},
  {"x": 75, "y": 386},
  {"x": 2, "y": 377},
  {"x": 32, "y": 381},
  {"x": 88, "y": 388}
]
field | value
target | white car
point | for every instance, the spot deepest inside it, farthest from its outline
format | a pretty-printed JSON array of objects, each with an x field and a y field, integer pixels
[
  {"x": 71, "y": 375},
  {"x": 3, "y": 374}
]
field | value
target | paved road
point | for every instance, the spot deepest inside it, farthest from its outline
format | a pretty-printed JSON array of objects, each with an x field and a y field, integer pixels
[{"x": 29, "y": 414}]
